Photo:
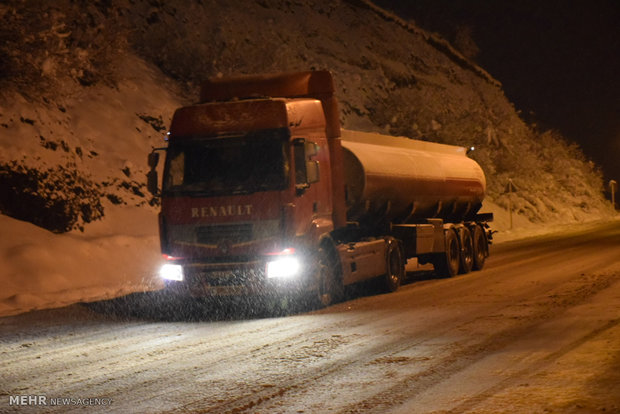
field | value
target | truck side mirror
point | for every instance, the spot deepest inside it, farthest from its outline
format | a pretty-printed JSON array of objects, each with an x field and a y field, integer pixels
[
  {"x": 153, "y": 159},
  {"x": 311, "y": 148},
  {"x": 312, "y": 172},
  {"x": 306, "y": 171},
  {"x": 152, "y": 181}
]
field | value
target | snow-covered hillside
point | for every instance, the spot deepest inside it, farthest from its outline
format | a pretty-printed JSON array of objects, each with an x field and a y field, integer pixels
[
  {"x": 88, "y": 152},
  {"x": 87, "y": 89}
]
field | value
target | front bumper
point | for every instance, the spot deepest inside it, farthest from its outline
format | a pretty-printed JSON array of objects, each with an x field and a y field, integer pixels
[{"x": 237, "y": 278}]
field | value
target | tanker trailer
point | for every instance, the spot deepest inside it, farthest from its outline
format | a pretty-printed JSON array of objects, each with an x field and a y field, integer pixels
[
  {"x": 402, "y": 180},
  {"x": 425, "y": 196}
]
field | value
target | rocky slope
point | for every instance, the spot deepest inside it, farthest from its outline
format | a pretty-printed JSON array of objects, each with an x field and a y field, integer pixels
[{"x": 88, "y": 88}]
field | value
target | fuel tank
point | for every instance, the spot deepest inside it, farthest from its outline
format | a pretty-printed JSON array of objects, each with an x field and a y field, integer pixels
[{"x": 401, "y": 180}]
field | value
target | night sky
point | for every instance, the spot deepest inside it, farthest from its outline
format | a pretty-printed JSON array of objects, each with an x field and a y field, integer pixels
[{"x": 558, "y": 61}]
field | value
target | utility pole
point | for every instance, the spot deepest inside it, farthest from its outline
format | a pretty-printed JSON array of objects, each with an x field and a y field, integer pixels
[{"x": 613, "y": 186}]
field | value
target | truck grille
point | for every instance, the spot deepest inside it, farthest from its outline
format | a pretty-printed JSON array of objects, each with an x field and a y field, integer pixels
[{"x": 236, "y": 233}]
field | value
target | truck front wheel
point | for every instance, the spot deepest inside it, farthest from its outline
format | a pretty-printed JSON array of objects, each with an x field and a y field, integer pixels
[{"x": 330, "y": 288}]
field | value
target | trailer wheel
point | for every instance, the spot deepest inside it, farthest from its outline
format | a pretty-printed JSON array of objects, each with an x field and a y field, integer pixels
[
  {"x": 330, "y": 287},
  {"x": 447, "y": 263},
  {"x": 480, "y": 248},
  {"x": 395, "y": 266},
  {"x": 467, "y": 251}
]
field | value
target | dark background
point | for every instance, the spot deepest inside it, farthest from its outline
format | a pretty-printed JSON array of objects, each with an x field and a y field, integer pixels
[{"x": 558, "y": 61}]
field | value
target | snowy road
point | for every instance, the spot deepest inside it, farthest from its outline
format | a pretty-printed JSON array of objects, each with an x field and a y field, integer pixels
[{"x": 538, "y": 330}]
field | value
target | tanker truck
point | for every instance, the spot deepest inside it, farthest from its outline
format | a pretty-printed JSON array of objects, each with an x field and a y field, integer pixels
[{"x": 264, "y": 195}]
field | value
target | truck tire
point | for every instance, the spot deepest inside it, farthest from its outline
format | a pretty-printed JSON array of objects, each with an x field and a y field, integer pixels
[
  {"x": 480, "y": 247},
  {"x": 447, "y": 263},
  {"x": 395, "y": 266},
  {"x": 467, "y": 251},
  {"x": 330, "y": 288}
]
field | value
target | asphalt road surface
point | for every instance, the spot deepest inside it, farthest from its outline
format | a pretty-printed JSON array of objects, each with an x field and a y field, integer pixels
[{"x": 538, "y": 330}]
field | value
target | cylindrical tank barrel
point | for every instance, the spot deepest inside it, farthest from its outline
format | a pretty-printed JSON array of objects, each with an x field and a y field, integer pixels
[{"x": 402, "y": 180}]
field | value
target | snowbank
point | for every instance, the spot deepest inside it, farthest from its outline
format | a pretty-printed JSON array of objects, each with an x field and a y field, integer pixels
[
  {"x": 40, "y": 269},
  {"x": 523, "y": 228},
  {"x": 103, "y": 134}
]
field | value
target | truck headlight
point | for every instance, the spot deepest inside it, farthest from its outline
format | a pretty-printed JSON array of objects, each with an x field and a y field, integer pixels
[
  {"x": 283, "y": 267},
  {"x": 171, "y": 272}
]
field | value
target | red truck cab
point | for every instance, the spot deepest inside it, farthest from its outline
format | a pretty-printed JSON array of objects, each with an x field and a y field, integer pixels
[{"x": 246, "y": 187}]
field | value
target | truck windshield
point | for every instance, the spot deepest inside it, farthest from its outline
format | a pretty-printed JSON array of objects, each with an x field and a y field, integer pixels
[{"x": 227, "y": 165}]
